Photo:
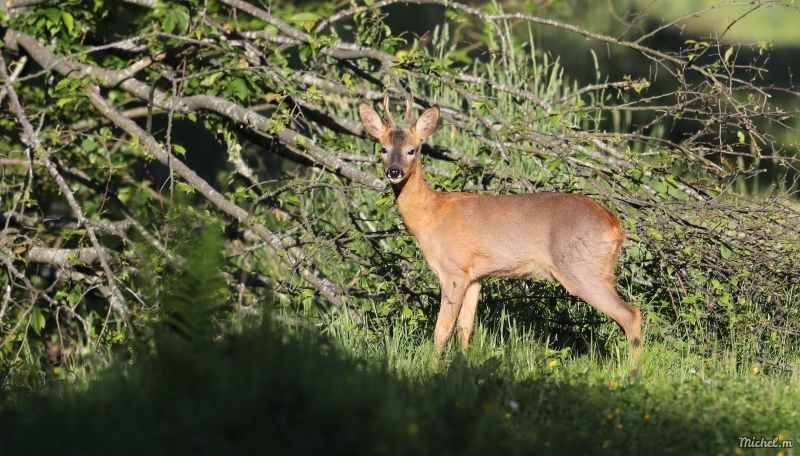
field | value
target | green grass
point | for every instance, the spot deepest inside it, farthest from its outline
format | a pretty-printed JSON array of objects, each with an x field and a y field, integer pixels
[{"x": 271, "y": 390}]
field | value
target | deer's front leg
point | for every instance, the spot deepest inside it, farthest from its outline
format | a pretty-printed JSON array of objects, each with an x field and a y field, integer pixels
[
  {"x": 453, "y": 290},
  {"x": 466, "y": 317}
]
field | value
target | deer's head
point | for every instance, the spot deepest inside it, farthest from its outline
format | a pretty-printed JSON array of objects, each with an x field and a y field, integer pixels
[{"x": 399, "y": 146}]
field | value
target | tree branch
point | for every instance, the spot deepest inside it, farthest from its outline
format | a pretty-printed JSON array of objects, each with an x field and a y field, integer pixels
[
  {"x": 118, "y": 303},
  {"x": 294, "y": 257},
  {"x": 193, "y": 103},
  {"x": 66, "y": 258}
]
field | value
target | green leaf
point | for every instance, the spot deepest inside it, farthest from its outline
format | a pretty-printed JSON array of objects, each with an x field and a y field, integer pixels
[
  {"x": 725, "y": 300},
  {"x": 305, "y": 53},
  {"x": 725, "y": 251},
  {"x": 37, "y": 320},
  {"x": 210, "y": 80},
  {"x": 181, "y": 20},
  {"x": 552, "y": 165},
  {"x": 740, "y": 134},
  {"x": 348, "y": 82},
  {"x": 186, "y": 188},
  {"x": 64, "y": 101},
  {"x": 305, "y": 17},
  {"x": 54, "y": 14},
  {"x": 69, "y": 21},
  {"x": 728, "y": 54},
  {"x": 169, "y": 23},
  {"x": 179, "y": 149},
  {"x": 88, "y": 145},
  {"x": 239, "y": 88},
  {"x": 306, "y": 293},
  {"x": 62, "y": 84}
]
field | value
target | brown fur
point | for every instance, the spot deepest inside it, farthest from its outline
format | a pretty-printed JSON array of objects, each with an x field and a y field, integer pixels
[{"x": 466, "y": 237}]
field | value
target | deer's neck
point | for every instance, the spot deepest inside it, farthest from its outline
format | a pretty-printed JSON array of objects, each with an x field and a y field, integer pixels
[{"x": 417, "y": 202}]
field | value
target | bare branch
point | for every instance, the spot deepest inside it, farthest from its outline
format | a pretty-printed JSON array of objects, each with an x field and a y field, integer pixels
[
  {"x": 66, "y": 258},
  {"x": 14, "y": 74},
  {"x": 23, "y": 3}
]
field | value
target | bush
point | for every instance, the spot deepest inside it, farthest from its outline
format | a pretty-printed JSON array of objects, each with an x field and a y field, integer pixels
[{"x": 126, "y": 116}]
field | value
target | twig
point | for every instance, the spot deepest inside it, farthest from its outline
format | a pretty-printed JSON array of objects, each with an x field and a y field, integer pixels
[{"x": 14, "y": 74}]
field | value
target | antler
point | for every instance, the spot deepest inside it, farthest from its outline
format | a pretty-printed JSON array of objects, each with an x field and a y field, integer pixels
[
  {"x": 386, "y": 109},
  {"x": 409, "y": 106}
]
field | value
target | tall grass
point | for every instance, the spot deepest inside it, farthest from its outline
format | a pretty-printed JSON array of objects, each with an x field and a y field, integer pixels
[{"x": 277, "y": 390}]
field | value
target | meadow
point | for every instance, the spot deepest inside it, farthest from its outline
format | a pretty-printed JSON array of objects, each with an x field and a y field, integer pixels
[{"x": 274, "y": 389}]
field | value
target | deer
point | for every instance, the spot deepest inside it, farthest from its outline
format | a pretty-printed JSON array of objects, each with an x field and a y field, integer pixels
[{"x": 465, "y": 237}]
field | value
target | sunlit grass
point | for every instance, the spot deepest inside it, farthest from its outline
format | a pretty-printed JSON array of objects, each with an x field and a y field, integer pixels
[{"x": 274, "y": 390}]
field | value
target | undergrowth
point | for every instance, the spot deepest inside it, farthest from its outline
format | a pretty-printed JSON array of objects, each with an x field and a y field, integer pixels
[{"x": 273, "y": 390}]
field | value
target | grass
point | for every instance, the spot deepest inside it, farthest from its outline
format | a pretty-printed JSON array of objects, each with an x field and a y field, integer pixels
[{"x": 272, "y": 390}]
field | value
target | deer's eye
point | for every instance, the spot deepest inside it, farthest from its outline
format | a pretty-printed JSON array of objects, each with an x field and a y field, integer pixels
[
  {"x": 410, "y": 151},
  {"x": 383, "y": 150}
]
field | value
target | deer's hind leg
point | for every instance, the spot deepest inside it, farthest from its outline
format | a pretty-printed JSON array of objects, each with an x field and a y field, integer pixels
[{"x": 589, "y": 276}]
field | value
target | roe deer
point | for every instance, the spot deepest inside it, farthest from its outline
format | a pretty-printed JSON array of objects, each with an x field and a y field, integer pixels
[{"x": 466, "y": 237}]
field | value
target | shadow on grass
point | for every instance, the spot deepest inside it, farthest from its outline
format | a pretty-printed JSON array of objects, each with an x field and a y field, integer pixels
[{"x": 270, "y": 392}]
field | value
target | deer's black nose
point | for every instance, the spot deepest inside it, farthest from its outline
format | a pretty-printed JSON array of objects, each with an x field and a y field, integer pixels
[{"x": 394, "y": 173}]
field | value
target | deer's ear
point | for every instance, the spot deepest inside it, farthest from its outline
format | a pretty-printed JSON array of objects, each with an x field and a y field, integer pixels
[
  {"x": 373, "y": 124},
  {"x": 427, "y": 122}
]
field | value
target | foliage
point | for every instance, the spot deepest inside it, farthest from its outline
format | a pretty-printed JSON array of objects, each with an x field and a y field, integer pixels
[
  {"x": 191, "y": 302},
  {"x": 128, "y": 115}
]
